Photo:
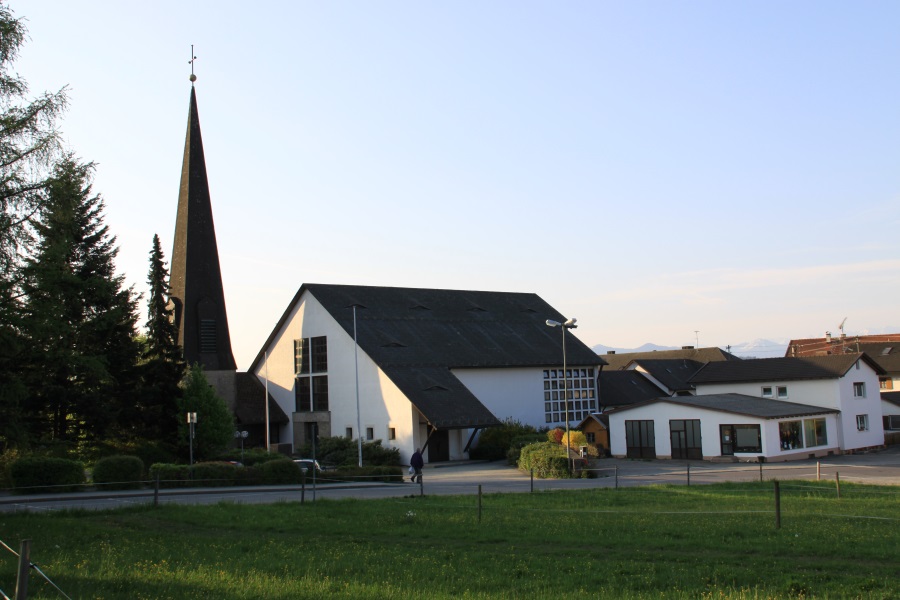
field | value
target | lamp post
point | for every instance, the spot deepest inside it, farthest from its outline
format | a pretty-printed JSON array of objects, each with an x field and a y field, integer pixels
[
  {"x": 241, "y": 435},
  {"x": 568, "y": 324},
  {"x": 192, "y": 422}
]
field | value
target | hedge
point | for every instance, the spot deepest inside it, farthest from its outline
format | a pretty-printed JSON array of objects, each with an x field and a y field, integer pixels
[
  {"x": 119, "y": 473},
  {"x": 46, "y": 474},
  {"x": 546, "y": 459},
  {"x": 385, "y": 474}
]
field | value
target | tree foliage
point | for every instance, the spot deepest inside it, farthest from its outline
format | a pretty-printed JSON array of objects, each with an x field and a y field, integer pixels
[
  {"x": 79, "y": 319},
  {"x": 214, "y": 430}
]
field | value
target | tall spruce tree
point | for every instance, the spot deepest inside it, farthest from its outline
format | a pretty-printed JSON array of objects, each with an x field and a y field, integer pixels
[
  {"x": 79, "y": 318},
  {"x": 162, "y": 368},
  {"x": 29, "y": 141}
]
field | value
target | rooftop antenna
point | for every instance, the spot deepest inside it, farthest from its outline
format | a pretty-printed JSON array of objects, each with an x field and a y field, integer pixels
[
  {"x": 193, "y": 77},
  {"x": 841, "y": 326}
]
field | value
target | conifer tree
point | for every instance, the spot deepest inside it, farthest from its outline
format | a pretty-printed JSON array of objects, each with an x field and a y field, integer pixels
[
  {"x": 79, "y": 318},
  {"x": 162, "y": 368},
  {"x": 28, "y": 142}
]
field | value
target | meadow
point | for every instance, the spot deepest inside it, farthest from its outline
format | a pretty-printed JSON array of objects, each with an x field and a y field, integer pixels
[{"x": 718, "y": 541}]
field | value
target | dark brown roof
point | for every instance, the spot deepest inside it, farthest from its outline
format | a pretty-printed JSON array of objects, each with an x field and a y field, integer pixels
[
  {"x": 883, "y": 348},
  {"x": 622, "y": 388},
  {"x": 702, "y": 355},
  {"x": 249, "y": 409},
  {"x": 417, "y": 336},
  {"x": 781, "y": 369},
  {"x": 742, "y": 404},
  {"x": 196, "y": 280}
]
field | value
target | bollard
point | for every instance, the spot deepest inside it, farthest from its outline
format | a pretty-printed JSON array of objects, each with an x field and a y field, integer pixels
[
  {"x": 837, "y": 483},
  {"x": 24, "y": 565},
  {"x": 777, "y": 506}
]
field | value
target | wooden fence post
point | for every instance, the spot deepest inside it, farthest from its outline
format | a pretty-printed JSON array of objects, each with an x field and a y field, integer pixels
[
  {"x": 24, "y": 566},
  {"x": 689, "y": 475},
  {"x": 617, "y": 476},
  {"x": 760, "y": 473},
  {"x": 532, "y": 479},
  {"x": 777, "y": 505},
  {"x": 818, "y": 471},
  {"x": 837, "y": 483},
  {"x": 156, "y": 492}
]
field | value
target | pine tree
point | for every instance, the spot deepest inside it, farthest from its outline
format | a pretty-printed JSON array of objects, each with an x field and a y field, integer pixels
[
  {"x": 28, "y": 142},
  {"x": 162, "y": 368},
  {"x": 79, "y": 319},
  {"x": 215, "y": 424}
]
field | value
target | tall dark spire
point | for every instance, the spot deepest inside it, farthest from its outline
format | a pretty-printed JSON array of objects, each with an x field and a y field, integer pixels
[{"x": 196, "y": 280}]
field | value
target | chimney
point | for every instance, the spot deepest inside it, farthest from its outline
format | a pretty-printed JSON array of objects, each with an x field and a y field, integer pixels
[
  {"x": 610, "y": 351},
  {"x": 827, "y": 337},
  {"x": 687, "y": 347}
]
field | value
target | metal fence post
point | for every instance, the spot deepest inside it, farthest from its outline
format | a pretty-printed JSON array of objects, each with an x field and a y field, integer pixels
[{"x": 24, "y": 566}]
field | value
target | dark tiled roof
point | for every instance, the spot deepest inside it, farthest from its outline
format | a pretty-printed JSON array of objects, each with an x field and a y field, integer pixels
[
  {"x": 892, "y": 397},
  {"x": 742, "y": 404},
  {"x": 622, "y": 388},
  {"x": 780, "y": 369},
  {"x": 884, "y": 349},
  {"x": 249, "y": 407},
  {"x": 416, "y": 336},
  {"x": 672, "y": 373},
  {"x": 703, "y": 355}
]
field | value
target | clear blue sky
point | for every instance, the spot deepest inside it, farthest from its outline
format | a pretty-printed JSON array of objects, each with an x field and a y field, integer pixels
[{"x": 651, "y": 168}]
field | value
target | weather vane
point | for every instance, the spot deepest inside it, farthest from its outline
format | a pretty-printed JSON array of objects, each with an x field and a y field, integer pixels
[{"x": 193, "y": 77}]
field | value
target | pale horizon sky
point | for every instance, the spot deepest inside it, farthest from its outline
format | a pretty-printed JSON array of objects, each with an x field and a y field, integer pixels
[{"x": 653, "y": 168}]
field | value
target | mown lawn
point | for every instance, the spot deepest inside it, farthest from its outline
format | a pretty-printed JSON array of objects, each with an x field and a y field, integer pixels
[{"x": 660, "y": 542}]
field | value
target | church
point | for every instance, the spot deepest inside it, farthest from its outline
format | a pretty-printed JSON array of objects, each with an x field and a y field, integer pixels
[{"x": 412, "y": 367}]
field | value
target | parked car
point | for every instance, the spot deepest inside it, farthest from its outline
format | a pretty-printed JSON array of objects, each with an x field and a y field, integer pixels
[{"x": 308, "y": 464}]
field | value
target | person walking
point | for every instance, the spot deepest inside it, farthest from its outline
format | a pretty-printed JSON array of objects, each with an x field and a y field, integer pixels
[{"x": 416, "y": 462}]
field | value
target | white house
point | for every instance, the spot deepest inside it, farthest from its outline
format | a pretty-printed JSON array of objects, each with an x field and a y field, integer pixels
[
  {"x": 722, "y": 425},
  {"x": 432, "y": 367},
  {"x": 770, "y": 409}
]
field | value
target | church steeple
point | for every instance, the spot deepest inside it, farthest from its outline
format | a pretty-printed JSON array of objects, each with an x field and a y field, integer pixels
[{"x": 196, "y": 280}]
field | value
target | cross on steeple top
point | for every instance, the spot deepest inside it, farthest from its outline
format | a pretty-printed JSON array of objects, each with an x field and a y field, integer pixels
[{"x": 193, "y": 77}]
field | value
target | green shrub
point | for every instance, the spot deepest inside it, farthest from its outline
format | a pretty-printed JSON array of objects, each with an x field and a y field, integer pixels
[
  {"x": 280, "y": 472},
  {"x": 256, "y": 456},
  {"x": 171, "y": 475},
  {"x": 385, "y": 474},
  {"x": 119, "y": 472},
  {"x": 494, "y": 443},
  {"x": 218, "y": 474},
  {"x": 546, "y": 459},
  {"x": 555, "y": 435},
  {"x": 515, "y": 448},
  {"x": 7, "y": 458},
  {"x": 46, "y": 474},
  {"x": 342, "y": 451}
]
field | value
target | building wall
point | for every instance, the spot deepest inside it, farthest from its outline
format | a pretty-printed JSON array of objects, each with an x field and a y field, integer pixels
[
  {"x": 381, "y": 404},
  {"x": 662, "y": 412},
  {"x": 827, "y": 393}
]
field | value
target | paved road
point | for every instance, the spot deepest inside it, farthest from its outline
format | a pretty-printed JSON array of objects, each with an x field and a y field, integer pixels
[{"x": 464, "y": 478}]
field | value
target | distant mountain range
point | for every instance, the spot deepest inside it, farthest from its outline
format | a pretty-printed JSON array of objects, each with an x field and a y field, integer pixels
[{"x": 756, "y": 349}]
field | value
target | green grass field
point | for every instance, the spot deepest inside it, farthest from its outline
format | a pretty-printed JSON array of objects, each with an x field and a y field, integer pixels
[{"x": 660, "y": 542}]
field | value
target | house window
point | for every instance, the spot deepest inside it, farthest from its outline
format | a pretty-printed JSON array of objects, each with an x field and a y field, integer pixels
[
  {"x": 859, "y": 389},
  {"x": 781, "y": 392},
  {"x": 581, "y": 394},
  {"x": 767, "y": 391},
  {"x": 790, "y": 434},
  {"x": 348, "y": 433},
  {"x": 591, "y": 437},
  {"x": 891, "y": 422},
  {"x": 392, "y": 433},
  {"x": 814, "y": 430},
  {"x": 747, "y": 439},
  {"x": 862, "y": 422},
  {"x": 310, "y": 366},
  {"x": 370, "y": 434},
  {"x": 885, "y": 383}
]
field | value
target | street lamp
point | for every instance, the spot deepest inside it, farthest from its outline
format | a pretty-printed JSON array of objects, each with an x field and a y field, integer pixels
[
  {"x": 569, "y": 324},
  {"x": 241, "y": 435},
  {"x": 192, "y": 422}
]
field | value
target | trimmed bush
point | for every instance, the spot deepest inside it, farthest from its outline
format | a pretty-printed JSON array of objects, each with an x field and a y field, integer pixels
[
  {"x": 119, "y": 473},
  {"x": 47, "y": 474},
  {"x": 547, "y": 460},
  {"x": 218, "y": 474},
  {"x": 256, "y": 456},
  {"x": 280, "y": 472},
  {"x": 171, "y": 476},
  {"x": 341, "y": 451}
]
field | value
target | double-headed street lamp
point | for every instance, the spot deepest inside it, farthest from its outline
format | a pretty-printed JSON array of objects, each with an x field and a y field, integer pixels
[{"x": 569, "y": 324}]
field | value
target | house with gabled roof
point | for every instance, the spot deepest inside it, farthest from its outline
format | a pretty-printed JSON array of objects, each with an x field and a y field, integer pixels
[
  {"x": 421, "y": 368},
  {"x": 763, "y": 409},
  {"x": 884, "y": 349}
]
